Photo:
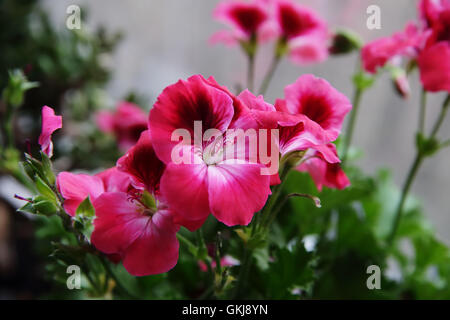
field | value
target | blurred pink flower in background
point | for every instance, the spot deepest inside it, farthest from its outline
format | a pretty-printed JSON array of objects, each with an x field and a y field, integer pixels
[
  {"x": 50, "y": 123},
  {"x": 378, "y": 53},
  {"x": 427, "y": 42},
  {"x": 434, "y": 59},
  {"x": 434, "y": 64},
  {"x": 127, "y": 123},
  {"x": 304, "y": 32},
  {"x": 247, "y": 19}
]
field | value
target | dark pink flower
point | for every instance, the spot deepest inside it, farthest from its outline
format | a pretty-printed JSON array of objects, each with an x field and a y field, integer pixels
[
  {"x": 305, "y": 33},
  {"x": 434, "y": 59},
  {"x": 247, "y": 20},
  {"x": 143, "y": 165},
  {"x": 434, "y": 14},
  {"x": 378, "y": 53},
  {"x": 144, "y": 237},
  {"x": 74, "y": 188},
  {"x": 434, "y": 65},
  {"x": 319, "y": 101},
  {"x": 322, "y": 172},
  {"x": 219, "y": 179},
  {"x": 126, "y": 123},
  {"x": 50, "y": 123},
  {"x": 137, "y": 224}
]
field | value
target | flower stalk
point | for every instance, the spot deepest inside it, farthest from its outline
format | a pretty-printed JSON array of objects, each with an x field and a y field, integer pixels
[{"x": 424, "y": 149}]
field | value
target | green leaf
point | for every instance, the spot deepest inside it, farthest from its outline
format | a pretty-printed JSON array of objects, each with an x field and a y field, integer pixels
[
  {"x": 363, "y": 80},
  {"x": 85, "y": 209},
  {"x": 47, "y": 168},
  {"x": 44, "y": 206},
  {"x": 27, "y": 208},
  {"x": 44, "y": 189},
  {"x": 427, "y": 146},
  {"x": 291, "y": 270}
]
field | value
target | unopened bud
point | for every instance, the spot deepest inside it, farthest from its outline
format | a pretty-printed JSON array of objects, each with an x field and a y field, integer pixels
[{"x": 345, "y": 41}]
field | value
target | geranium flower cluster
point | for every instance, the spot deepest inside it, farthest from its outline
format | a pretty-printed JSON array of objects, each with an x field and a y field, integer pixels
[
  {"x": 426, "y": 42},
  {"x": 141, "y": 203},
  {"x": 298, "y": 30}
]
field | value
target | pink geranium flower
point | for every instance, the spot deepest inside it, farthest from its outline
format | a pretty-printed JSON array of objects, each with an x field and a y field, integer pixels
[
  {"x": 247, "y": 19},
  {"x": 232, "y": 188},
  {"x": 144, "y": 237},
  {"x": 378, "y": 53},
  {"x": 434, "y": 59},
  {"x": 75, "y": 188},
  {"x": 434, "y": 65},
  {"x": 305, "y": 33},
  {"x": 322, "y": 172},
  {"x": 50, "y": 123},
  {"x": 126, "y": 123},
  {"x": 319, "y": 101},
  {"x": 137, "y": 227}
]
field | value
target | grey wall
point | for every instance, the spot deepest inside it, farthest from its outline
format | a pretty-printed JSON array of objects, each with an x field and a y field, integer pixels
[{"x": 167, "y": 39}]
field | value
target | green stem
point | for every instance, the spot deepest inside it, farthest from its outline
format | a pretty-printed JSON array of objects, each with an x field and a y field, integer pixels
[
  {"x": 423, "y": 104},
  {"x": 250, "y": 71},
  {"x": 405, "y": 190},
  {"x": 351, "y": 124},
  {"x": 269, "y": 75},
  {"x": 441, "y": 117},
  {"x": 268, "y": 214},
  {"x": 413, "y": 171}
]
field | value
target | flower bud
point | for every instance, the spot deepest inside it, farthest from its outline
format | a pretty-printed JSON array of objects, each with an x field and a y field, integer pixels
[
  {"x": 345, "y": 41},
  {"x": 401, "y": 83}
]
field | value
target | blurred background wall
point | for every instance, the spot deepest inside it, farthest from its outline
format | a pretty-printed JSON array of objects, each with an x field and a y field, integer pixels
[{"x": 165, "y": 40}]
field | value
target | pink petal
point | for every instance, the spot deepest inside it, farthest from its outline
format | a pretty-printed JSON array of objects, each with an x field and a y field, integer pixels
[
  {"x": 50, "y": 123},
  {"x": 156, "y": 250},
  {"x": 434, "y": 65},
  {"x": 307, "y": 50},
  {"x": 319, "y": 101},
  {"x": 180, "y": 104},
  {"x": 226, "y": 37},
  {"x": 115, "y": 180},
  {"x": 296, "y": 20},
  {"x": 236, "y": 191},
  {"x": 74, "y": 188},
  {"x": 246, "y": 17},
  {"x": 185, "y": 189},
  {"x": 142, "y": 164},
  {"x": 305, "y": 134},
  {"x": 118, "y": 222}
]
